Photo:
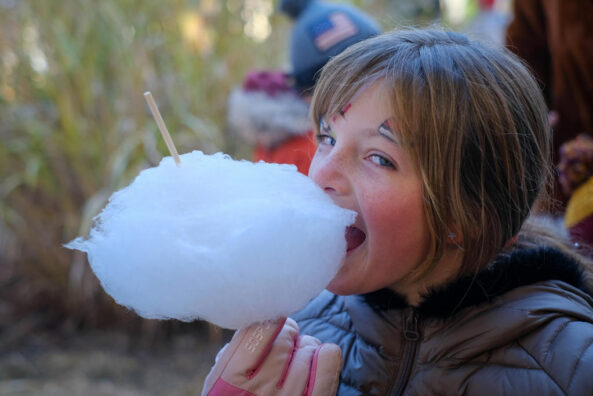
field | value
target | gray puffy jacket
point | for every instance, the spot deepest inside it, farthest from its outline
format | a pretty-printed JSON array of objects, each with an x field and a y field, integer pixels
[{"x": 522, "y": 327}]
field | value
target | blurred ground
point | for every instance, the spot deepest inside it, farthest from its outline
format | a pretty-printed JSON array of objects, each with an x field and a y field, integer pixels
[{"x": 106, "y": 362}]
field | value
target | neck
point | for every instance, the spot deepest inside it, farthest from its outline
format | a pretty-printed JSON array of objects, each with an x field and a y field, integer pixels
[{"x": 443, "y": 272}]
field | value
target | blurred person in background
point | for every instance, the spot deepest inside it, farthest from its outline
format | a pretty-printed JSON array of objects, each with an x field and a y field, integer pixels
[
  {"x": 555, "y": 37},
  {"x": 491, "y": 21},
  {"x": 575, "y": 174},
  {"x": 270, "y": 111},
  {"x": 270, "y": 115},
  {"x": 321, "y": 31}
]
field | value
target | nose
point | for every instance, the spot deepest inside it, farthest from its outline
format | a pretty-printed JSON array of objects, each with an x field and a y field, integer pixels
[{"x": 331, "y": 173}]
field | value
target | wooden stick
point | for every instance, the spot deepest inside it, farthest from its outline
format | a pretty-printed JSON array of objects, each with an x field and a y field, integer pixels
[{"x": 159, "y": 121}]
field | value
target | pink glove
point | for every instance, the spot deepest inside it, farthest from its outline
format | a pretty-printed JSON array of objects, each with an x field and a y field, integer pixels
[{"x": 271, "y": 358}]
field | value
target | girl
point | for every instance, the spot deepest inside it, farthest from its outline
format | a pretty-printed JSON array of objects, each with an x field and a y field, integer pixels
[{"x": 441, "y": 145}]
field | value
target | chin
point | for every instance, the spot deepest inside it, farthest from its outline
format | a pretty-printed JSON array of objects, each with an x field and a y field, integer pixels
[{"x": 341, "y": 288}]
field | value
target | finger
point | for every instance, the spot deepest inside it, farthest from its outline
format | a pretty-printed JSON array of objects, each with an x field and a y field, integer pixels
[
  {"x": 268, "y": 373},
  {"x": 244, "y": 352},
  {"x": 296, "y": 373},
  {"x": 254, "y": 346},
  {"x": 261, "y": 344},
  {"x": 325, "y": 371}
]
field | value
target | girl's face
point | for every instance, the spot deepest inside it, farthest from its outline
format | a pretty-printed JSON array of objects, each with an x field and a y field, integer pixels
[{"x": 361, "y": 166}]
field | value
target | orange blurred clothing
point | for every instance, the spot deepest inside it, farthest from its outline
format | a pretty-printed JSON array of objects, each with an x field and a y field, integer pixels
[{"x": 298, "y": 150}]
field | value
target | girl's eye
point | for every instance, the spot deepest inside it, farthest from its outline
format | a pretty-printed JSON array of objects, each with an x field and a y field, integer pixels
[
  {"x": 325, "y": 139},
  {"x": 381, "y": 161}
]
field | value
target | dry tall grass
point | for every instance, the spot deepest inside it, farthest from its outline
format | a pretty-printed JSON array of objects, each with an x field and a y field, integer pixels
[{"x": 75, "y": 128}]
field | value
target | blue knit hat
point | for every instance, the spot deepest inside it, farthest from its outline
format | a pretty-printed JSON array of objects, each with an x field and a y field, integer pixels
[{"x": 322, "y": 30}]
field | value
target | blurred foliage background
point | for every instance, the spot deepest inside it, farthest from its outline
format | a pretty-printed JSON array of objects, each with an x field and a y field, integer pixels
[{"x": 75, "y": 128}]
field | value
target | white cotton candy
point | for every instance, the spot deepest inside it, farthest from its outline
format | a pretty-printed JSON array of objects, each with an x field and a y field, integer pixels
[{"x": 230, "y": 242}]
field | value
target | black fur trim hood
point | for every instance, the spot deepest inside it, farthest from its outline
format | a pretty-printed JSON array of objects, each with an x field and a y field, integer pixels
[{"x": 509, "y": 271}]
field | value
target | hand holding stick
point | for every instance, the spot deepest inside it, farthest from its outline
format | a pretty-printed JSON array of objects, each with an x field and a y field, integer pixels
[{"x": 161, "y": 124}]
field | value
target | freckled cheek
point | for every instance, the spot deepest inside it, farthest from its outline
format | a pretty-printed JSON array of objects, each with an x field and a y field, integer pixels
[{"x": 397, "y": 225}]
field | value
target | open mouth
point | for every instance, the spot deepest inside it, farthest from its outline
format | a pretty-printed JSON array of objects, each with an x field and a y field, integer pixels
[{"x": 354, "y": 237}]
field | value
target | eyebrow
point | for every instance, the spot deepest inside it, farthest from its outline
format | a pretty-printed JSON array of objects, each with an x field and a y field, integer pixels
[{"x": 387, "y": 132}]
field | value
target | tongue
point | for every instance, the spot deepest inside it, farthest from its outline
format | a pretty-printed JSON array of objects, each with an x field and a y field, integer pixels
[{"x": 354, "y": 237}]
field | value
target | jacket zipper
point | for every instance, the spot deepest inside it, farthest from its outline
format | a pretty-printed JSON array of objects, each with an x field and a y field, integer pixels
[{"x": 412, "y": 336}]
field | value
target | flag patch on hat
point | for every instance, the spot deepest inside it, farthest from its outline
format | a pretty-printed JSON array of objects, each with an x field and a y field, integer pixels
[{"x": 332, "y": 30}]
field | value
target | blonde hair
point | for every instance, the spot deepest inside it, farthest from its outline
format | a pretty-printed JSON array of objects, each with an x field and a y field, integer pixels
[{"x": 474, "y": 121}]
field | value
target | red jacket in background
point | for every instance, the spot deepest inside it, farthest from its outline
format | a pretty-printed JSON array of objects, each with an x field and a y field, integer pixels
[{"x": 298, "y": 150}]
